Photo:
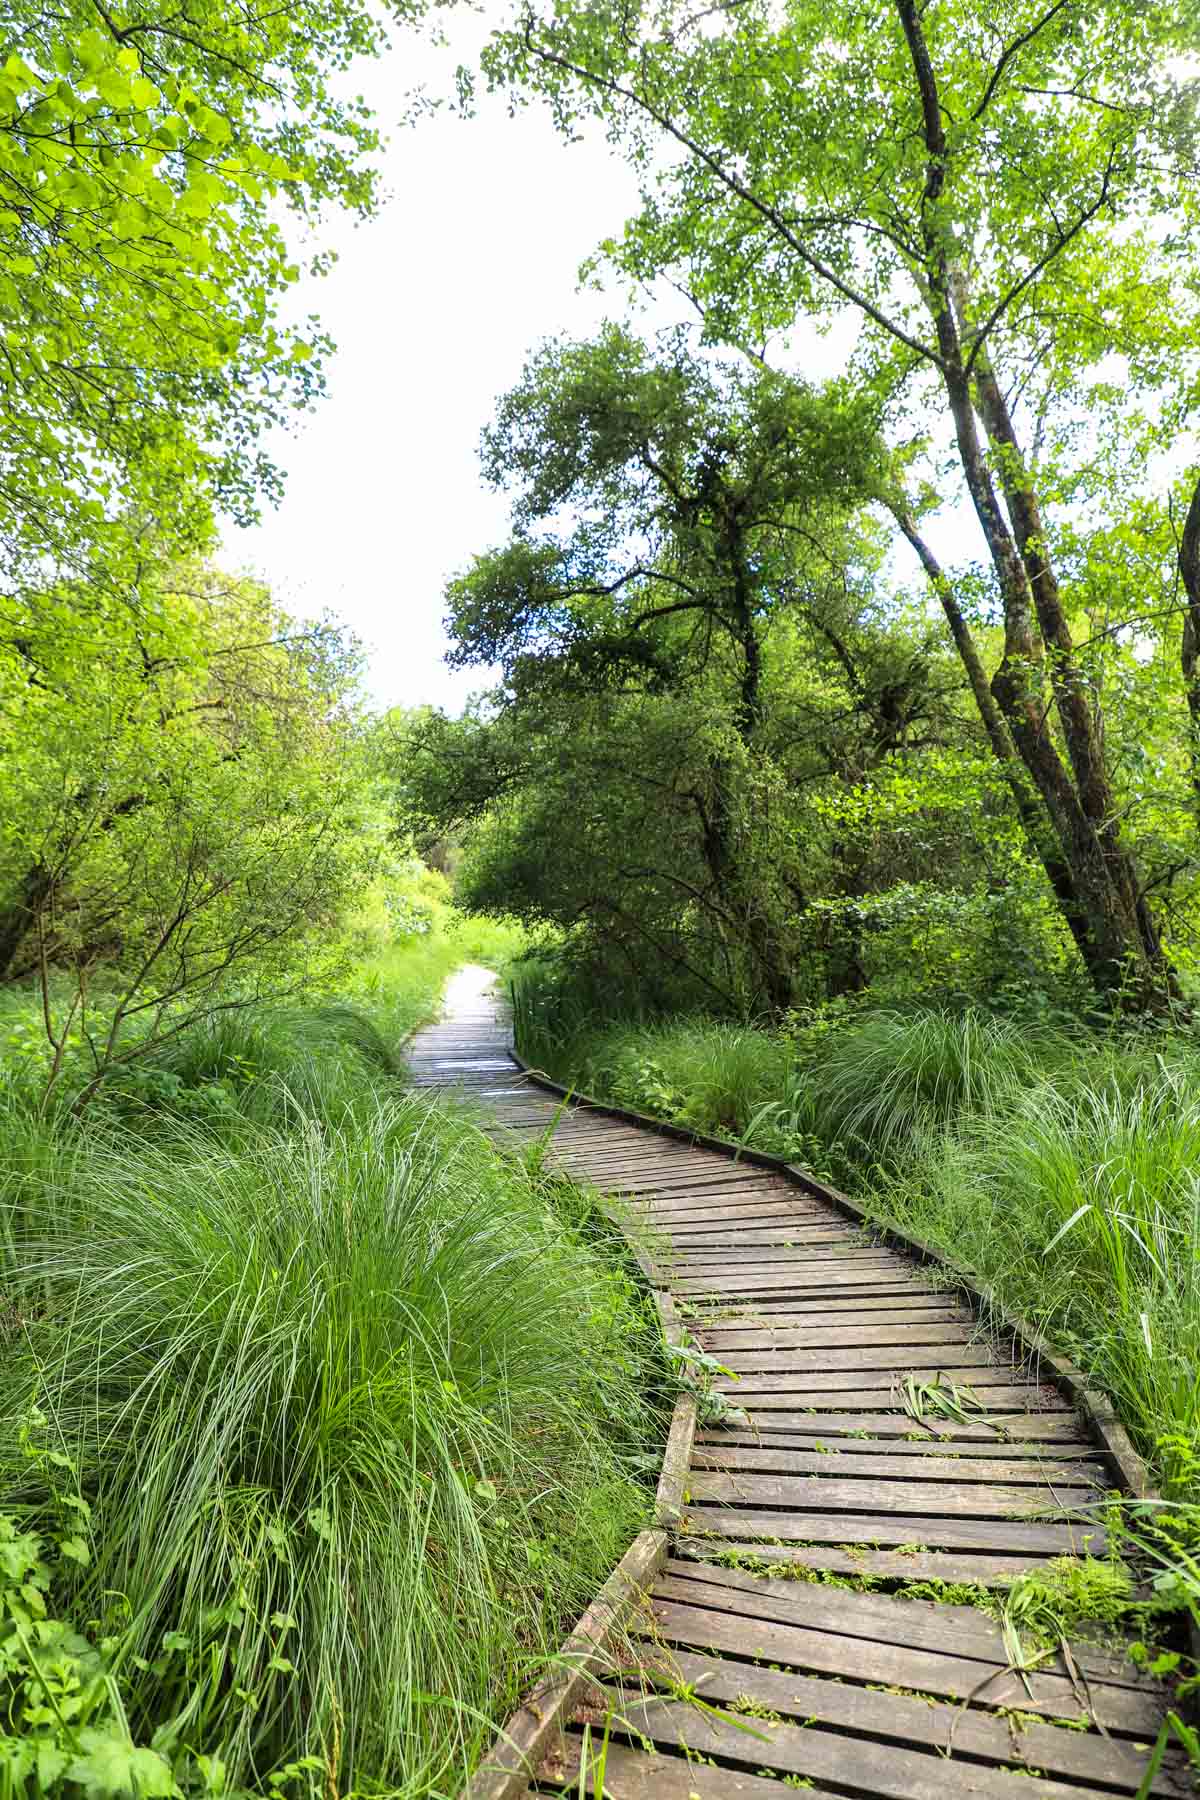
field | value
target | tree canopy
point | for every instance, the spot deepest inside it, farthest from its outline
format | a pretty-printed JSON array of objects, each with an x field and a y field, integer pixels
[
  {"x": 148, "y": 159},
  {"x": 715, "y": 714},
  {"x": 1004, "y": 201}
]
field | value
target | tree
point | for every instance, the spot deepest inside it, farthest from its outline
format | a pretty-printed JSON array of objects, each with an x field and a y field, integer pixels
[
  {"x": 1004, "y": 196},
  {"x": 147, "y": 155},
  {"x": 182, "y": 792},
  {"x": 697, "y": 492},
  {"x": 692, "y": 644}
]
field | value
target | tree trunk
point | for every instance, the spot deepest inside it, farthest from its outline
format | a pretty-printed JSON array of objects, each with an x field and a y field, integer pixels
[
  {"x": 1189, "y": 654},
  {"x": 1121, "y": 944},
  {"x": 1042, "y": 842},
  {"x": 18, "y": 913},
  {"x": 722, "y": 858},
  {"x": 1080, "y": 727}
]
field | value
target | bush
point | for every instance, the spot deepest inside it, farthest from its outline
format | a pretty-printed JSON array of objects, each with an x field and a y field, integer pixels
[
  {"x": 356, "y": 1415},
  {"x": 62, "y": 1731},
  {"x": 1081, "y": 1205},
  {"x": 891, "y": 1077}
]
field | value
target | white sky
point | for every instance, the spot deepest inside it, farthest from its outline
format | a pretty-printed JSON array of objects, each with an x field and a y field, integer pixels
[{"x": 434, "y": 305}]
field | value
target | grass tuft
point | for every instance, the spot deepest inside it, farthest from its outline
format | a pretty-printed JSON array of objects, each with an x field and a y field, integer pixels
[{"x": 358, "y": 1407}]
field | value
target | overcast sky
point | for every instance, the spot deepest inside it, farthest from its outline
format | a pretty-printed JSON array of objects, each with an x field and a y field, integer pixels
[{"x": 433, "y": 304}]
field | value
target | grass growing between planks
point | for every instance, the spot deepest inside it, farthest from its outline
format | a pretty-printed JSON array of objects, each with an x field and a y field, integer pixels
[{"x": 341, "y": 1417}]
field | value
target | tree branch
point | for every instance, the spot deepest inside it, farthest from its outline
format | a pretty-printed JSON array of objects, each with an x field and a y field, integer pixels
[{"x": 735, "y": 185}]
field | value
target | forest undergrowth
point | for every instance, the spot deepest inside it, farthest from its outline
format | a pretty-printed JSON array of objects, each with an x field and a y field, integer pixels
[{"x": 320, "y": 1419}]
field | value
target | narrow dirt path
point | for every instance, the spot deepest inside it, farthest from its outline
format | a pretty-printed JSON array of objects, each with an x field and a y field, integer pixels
[{"x": 837, "y": 1484}]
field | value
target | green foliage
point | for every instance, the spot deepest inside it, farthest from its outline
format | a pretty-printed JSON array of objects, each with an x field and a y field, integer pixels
[
  {"x": 1007, "y": 255},
  {"x": 1078, "y": 1202},
  {"x": 145, "y": 169},
  {"x": 62, "y": 1729},
  {"x": 1069, "y": 1592},
  {"x": 711, "y": 728},
  {"x": 734, "y": 1081},
  {"x": 356, "y": 1364},
  {"x": 185, "y": 784},
  {"x": 891, "y": 1077}
]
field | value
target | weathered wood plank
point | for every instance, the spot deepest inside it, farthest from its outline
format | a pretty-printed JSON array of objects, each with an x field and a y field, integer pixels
[
  {"x": 948, "y": 1499},
  {"x": 1079, "y": 1756},
  {"x": 908, "y": 1563},
  {"x": 938, "y": 1672},
  {"x": 888, "y": 1530},
  {"x": 956, "y": 1359},
  {"x": 850, "y": 1460},
  {"x": 996, "y": 1388},
  {"x": 1001, "y": 1427},
  {"x": 835, "y": 1334},
  {"x": 962, "y": 1453}
]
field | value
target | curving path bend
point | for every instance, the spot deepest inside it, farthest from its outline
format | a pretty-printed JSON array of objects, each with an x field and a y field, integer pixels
[{"x": 828, "y": 1471}]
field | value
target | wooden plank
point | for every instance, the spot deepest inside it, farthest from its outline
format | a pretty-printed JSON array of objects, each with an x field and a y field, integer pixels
[
  {"x": 810, "y": 1212},
  {"x": 924, "y": 1307},
  {"x": 850, "y": 1460},
  {"x": 715, "y": 1201},
  {"x": 680, "y": 1171},
  {"x": 700, "y": 1205},
  {"x": 996, "y": 1388},
  {"x": 672, "y": 1482},
  {"x": 1079, "y": 1756},
  {"x": 889, "y": 1771},
  {"x": 963, "y": 1451},
  {"x": 922, "y": 1624},
  {"x": 837, "y": 1334},
  {"x": 910, "y": 1293},
  {"x": 755, "y": 1213},
  {"x": 831, "y": 1278},
  {"x": 908, "y": 1563},
  {"x": 953, "y": 1359},
  {"x": 937, "y": 1672},
  {"x": 946, "y": 1499},
  {"x": 677, "y": 1190},
  {"x": 888, "y": 1530},
  {"x": 627, "y": 1774},
  {"x": 999, "y": 1427},
  {"x": 816, "y": 1273},
  {"x": 738, "y": 1254},
  {"x": 739, "y": 1259}
]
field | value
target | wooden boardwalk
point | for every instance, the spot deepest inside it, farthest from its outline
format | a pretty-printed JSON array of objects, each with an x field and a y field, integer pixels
[{"x": 752, "y": 1667}]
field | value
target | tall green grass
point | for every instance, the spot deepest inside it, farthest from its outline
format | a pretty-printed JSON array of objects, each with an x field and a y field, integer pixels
[
  {"x": 361, "y": 1409},
  {"x": 355, "y": 1414},
  {"x": 1080, "y": 1205},
  {"x": 710, "y": 1073},
  {"x": 888, "y": 1078}
]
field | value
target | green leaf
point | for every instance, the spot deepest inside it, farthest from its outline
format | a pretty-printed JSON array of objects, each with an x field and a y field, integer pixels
[{"x": 108, "y": 1768}]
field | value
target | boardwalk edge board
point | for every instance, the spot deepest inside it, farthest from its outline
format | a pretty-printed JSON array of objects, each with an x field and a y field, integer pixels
[
  {"x": 677, "y": 1458},
  {"x": 512, "y": 1761}
]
